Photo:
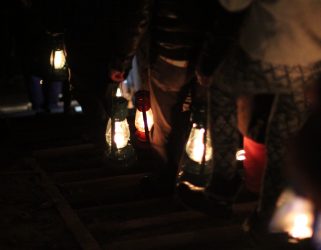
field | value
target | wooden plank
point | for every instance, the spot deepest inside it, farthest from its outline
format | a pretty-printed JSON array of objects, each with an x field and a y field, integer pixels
[
  {"x": 93, "y": 169},
  {"x": 114, "y": 181},
  {"x": 129, "y": 210},
  {"x": 240, "y": 211},
  {"x": 41, "y": 142},
  {"x": 120, "y": 226},
  {"x": 133, "y": 205},
  {"x": 20, "y": 172},
  {"x": 215, "y": 235},
  {"x": 72, "y": 163},
  {"x": 104, "y": 191},
  {"x": 63, "y": 151},
  {"x": 87, "y": 171},
  {"x": 74, "y": 224},
  {"x": 144, "y": 222}
]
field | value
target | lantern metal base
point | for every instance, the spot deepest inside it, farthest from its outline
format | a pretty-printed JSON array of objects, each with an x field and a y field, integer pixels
[
  {"x": 194, "y": 175},
  {"x": 141, "y": 136},
  {"x": 193, "y": 181},
  {"x": 121, "y": 155}
]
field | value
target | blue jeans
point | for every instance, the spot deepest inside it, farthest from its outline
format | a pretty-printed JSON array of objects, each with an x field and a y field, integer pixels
[{"x": 44, "y": 94}]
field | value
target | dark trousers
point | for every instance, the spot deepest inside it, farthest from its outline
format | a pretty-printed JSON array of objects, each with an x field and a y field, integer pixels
[{"x": 44, "y": 94}]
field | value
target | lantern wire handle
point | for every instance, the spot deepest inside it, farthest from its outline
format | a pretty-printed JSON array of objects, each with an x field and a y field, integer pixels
[
  {"x": 205, "y": 148},
  {"x": 145, "y": 124},
  {"x": 53, "y": 61},
  {"x": 144, "y": 104},
  {"x": 205, "y": 134}
]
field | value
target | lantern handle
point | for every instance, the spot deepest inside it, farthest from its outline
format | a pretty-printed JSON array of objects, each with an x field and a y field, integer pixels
[
  {"x": 146, "y": 125},
  {"x": 113, "y": 144},
  {"x": 205, "y": 135}
]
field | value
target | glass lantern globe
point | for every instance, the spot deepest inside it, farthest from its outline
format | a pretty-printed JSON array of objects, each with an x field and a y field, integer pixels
[
  {"x": 144, "y": 120},
  {"x": 118, "y": 132},
  {"x": 196, "y": 164}
]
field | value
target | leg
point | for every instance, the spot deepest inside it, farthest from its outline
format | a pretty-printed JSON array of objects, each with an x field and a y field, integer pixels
[
  {"x": 36, "y": 92},
  {"x": 161, "y": 103},
  {"x": 66, "y": 96},
  {"x": 167, "y": 82},
  {"x": 53, "y": 90},
  {"x": 181, "y": 128},
  {"x": 286, "y": 118}
]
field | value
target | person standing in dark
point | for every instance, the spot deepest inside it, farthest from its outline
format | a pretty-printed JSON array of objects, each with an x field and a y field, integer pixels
[
  {"x": 33, "y": 24},
  {"x": 168, "y": 59},
  {"x": 101, "y": 39},
  {"x": 278, "y": 54}
]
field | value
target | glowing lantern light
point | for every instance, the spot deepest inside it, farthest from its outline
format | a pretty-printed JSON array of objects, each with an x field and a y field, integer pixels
[
  {"x": 195, "y": 146},
  {"x": 144, "y": 120},
  {"x": 117, "y": 132},
  {"x": 294, "y": 215},
  {"x": 57, "y": 60},
  {"x": 302, "y": 227},
  {"x": 121, "y": 136},
  {"x": 196, "y": 165},
  {"x": 118, "y": 93},
  {"x": 240, "y": 155}
]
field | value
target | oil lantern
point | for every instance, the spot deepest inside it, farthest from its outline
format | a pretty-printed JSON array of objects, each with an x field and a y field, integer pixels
[
  {"x": 58, "y": 61},
  {"x": 144, "y": 115},
  {"x": 196, "y": 164},
  {"x": 117, "y": 132}
]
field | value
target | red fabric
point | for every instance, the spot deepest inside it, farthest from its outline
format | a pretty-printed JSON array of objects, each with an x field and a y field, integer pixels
[{"x": 254, "y": 164}]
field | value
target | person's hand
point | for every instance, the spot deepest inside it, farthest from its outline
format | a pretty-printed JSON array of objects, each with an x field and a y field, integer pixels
[{"x": 117, "y": 76}]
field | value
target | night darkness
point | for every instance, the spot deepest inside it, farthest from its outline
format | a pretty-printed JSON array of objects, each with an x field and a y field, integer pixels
[{"x": 160, "y": 124}]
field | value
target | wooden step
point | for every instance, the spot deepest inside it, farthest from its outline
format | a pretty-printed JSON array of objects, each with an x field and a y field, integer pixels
[
  {"x": 117, "y": 226},
  {"x": 61, "y": 152},
  {"x": 94, "y": 169},
  {"x": 227, "y": 237},
  {"x": 104, "y": 191},
  {"x": 130, "y": 210}
]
